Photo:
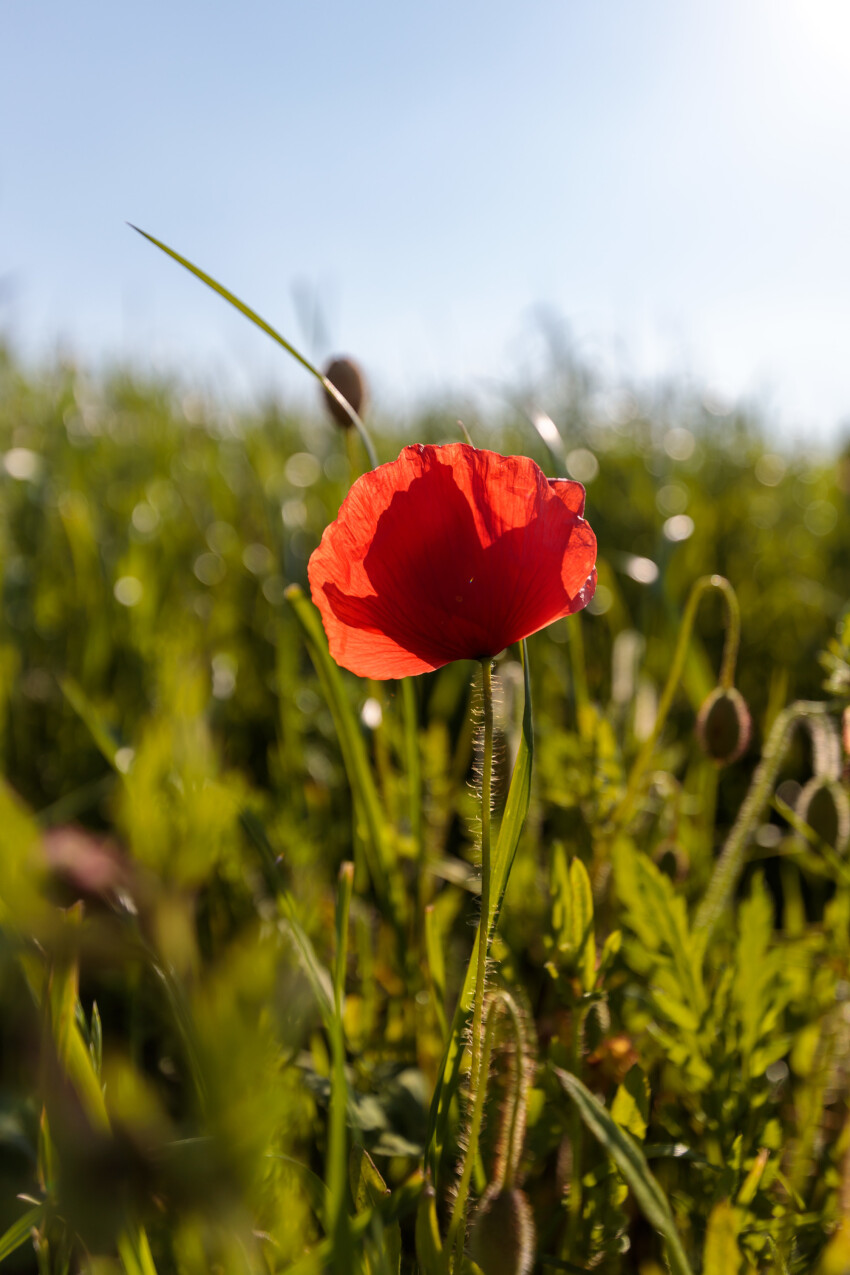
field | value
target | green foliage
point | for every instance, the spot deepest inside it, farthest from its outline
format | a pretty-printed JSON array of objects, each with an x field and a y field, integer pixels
[{"x": 216, "y": 1054}]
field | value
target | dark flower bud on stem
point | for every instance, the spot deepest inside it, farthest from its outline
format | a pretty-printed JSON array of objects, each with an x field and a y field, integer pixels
[
  {"x": 724, "y": 725},
  {"x": 824, "y": 806},
  {"x": 672, "y": 859},
  {"x": 502, "y": 1238},
  {"x": 346, "y": 376}
]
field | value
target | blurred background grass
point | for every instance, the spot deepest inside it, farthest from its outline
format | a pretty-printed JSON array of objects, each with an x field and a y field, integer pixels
[
  {"x": 155, "y": 691},
  {"x": 145, "y": 528}
]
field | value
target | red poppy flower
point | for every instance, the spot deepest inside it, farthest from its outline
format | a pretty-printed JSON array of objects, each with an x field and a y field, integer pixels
[{"x": 449, "y": 553}]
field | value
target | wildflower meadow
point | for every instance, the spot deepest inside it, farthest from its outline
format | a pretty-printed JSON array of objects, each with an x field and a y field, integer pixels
[{"x": 424, "y": 843}]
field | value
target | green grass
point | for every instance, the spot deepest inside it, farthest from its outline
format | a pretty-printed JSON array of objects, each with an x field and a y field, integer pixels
[{"x": 228, "y": 1057}]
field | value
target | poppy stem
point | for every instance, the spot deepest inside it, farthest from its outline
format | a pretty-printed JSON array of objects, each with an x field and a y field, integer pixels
[
  {"x": 484, "y": 920},
  {"x": 677, "y": 666}
]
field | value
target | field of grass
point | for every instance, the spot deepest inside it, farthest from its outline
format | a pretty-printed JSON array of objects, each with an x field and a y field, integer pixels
[{"x": 223, "y": 1050}]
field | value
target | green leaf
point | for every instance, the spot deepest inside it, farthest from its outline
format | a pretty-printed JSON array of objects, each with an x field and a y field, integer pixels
[
  {"x": 313, "y": 1185},
  {"x": 96, "y": 1039},
  {"x": 561, "y": 895},
  {"x": 383, "y": 865},
  {"x": 20, "y": 1231},
  {"x": 414, "y": 765},
  {"x": 721, "y": 1255},
  {"x": 269, "y": 331},
  {"x": 436, "y": 965},
  {"x": 659, "y": 917},
  {"x": 630, "y": 1107},
  {"x": 337, "y": 1222},
  {"x": 429, "y": 1246},
  {"x": 369, "y": 1190},
  {"x": 836, "y": 1255},
  {"x": 92, "y": 718},
  {"x": 631, "y": 1162},
  {"x": 318, "y": 975},
  {"x": 610, "y": 948},
  {"x": 581, "y": 917},
  {"x": 135, "y": 1253},
  {"x": 516, "y": 808}
]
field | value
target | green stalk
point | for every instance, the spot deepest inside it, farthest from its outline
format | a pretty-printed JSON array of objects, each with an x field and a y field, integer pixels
[
  {"x": 729, "y": 866},
  {"x": 414, "y": 770},
  {"x": 576, "y": 1138},
  {"x": 336, "y": 1173},
  {"x": 578, "y": 670},
  {"x": 727, "y": 673},
  {"x": 504, "y": 853},
  {"x": 484, "y": 918},
  {"x": 457, "y": 1226}
]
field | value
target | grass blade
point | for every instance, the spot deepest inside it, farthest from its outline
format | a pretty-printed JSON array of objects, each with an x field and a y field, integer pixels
[
  {"x": 135, "y": 1252},
  {"x": 20, "y": 1231},
  {"x": 336, "y": 1173},
  {"x": 414, "y": 768},
  {"x": 269, "y": 331},
  {"x": 383, "y": 866},
  {"x": 631, "y": 1162}
]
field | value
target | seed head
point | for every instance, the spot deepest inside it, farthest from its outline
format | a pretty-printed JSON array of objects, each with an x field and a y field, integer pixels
[
  {"x": 724, "y": 725},
  {"x": 346, "y": 376}
]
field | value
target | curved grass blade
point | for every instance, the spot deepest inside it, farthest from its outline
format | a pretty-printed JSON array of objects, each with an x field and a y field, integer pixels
[
  {"x": 269, "y": 331},
  {"x": 317, "y": 975},
  {"x": 336, "y": 1171},
  {"x": 631, "y": 1162},
  {"x": 513, "y": 819},
  {"x": 399, "y": 1203},
  {"x": 383, "y": 866},
  {"x": 20, "y": 1231},
  {"x": 135, "y": 1252},
  {"x": 91, "y": 717},
  {"x": 314, "y": 1187}
]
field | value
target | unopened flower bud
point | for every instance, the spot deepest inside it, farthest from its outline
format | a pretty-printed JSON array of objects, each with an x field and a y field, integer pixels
[
  {"x": 824, "y": 806},
  {"x": 502, "y": 1238},
  {"x": 344, "y": 375},
  {"x": 724, "y": 725},
  {"x": 672, "y": 859}
]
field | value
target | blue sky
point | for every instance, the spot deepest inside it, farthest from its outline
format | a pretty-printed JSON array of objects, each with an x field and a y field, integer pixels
[{"x": 671, "y": 178}]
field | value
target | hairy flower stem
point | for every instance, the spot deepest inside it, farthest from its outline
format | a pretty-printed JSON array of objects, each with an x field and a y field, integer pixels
[
  {"x": 457, "y": 1226},
  {"x": 729, "y": 866},
  {"x": 484, "y": 919}
]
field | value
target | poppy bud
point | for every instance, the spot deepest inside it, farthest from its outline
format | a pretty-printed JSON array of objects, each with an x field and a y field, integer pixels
[
  {"x": 502, "y": 1239},
  {"x": 671, "y": 859},
  {"x": 724, "y": 725},
  {"x": 823, "y": 805},
  {"x": 344, "y": 375}
]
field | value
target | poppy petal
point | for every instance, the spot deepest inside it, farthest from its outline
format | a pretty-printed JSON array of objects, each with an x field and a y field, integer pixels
[
  {"x": 570, "y": 493},
  {"x": 449, "y": 553}
]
